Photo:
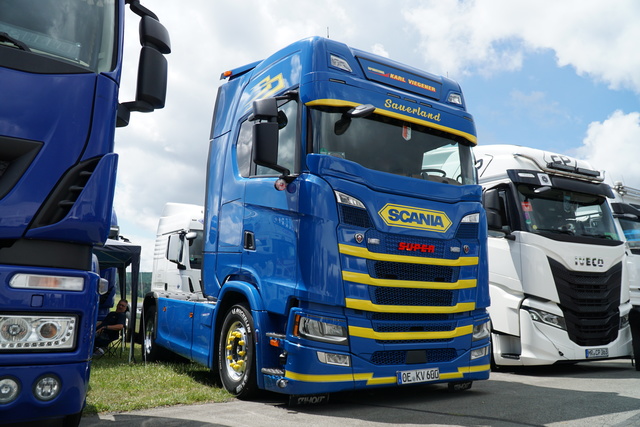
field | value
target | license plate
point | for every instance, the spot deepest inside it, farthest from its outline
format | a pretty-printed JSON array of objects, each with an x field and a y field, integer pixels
[
  {"x": 418, "y": 376},
  {"x": 597, "y": 352}
]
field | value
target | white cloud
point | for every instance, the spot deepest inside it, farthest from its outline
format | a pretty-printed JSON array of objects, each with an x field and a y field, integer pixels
[
  {"x": 163, "y": 154},
  {"x": 594, "y": 37},
  {"x": 612, "y": 145}
]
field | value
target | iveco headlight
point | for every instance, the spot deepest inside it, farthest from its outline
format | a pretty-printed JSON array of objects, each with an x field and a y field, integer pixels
[
  {"x": 25, "y": 333},
  {"x": 546, "y": 318},
  {"x": 321, "y": 329}
]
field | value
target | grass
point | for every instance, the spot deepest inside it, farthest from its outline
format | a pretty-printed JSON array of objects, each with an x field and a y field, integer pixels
[{"x": 119, "y": 386}]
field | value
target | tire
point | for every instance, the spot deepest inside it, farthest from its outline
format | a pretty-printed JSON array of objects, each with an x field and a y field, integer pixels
[
  {"x": 151, "y": 352},
  {"x": 236, "y": 353}
]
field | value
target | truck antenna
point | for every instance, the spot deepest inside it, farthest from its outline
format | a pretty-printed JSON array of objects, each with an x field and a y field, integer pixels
[{"x": 328, "y": 33}]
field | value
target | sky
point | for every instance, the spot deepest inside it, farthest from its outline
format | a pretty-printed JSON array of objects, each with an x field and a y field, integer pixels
[{"x": 562, "y": 76}]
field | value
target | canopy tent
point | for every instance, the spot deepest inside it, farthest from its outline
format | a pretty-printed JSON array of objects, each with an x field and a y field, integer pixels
[{"x": 120, "y": 254}]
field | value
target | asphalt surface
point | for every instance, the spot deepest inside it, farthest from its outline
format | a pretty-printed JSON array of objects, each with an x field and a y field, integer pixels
[{"x": 602, "y": 393}]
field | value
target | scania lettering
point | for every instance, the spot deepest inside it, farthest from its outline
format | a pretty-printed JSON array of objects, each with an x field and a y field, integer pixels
[
  {"x": 556, "y": 273},
  {"x": 60, "y": 67},
  {"x": 344, "y": 239}
]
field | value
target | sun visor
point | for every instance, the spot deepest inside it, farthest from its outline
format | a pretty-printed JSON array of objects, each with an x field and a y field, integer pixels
[{"x": 401, "y": 79}]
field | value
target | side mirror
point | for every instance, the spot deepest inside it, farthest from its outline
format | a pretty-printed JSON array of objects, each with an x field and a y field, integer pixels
[
  {"x": 493, "y": 207},
  {"x": 174, "y": 249},
  {"x": 151, "y": 86},
  {"x": 265, "y": 134}
]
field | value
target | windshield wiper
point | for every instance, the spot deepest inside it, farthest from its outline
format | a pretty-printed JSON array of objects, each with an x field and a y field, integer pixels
[
  {"x": 556, "y": 230},
  {"x": 4, "y": 37}
]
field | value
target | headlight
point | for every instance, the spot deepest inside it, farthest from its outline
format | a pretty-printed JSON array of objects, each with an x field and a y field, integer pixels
[
  {"x": 471, "y": 218},
  {"x": 325, "y": 330},
  {"x": 20, "y": 333},
  {"x": 38, "y": 281},
  {"x": 624, "y": 321},
  {"x": 546, "y": 318},
  {"x": 348, "y": 200},
  {"x": 481, "y": 331}
]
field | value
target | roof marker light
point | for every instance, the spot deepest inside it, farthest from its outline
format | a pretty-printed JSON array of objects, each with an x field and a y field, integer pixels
[
  {"x": 455, "y": 98},
  {"x": 340, "y": 63}
]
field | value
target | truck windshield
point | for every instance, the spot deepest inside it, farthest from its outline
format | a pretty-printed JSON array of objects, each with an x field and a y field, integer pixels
[
  {"x": 390, "y": 145},
  {"x": 558, "y": 211},
  {"x": 78, "y": 31}
]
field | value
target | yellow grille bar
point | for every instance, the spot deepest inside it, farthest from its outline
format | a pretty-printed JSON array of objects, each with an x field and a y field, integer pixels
[
  {"x": 358, "y": 331},
  {"x": 359, "y": 304},
  {"x": 365, "y": 279},
  {"x": 365, "y": 253}
]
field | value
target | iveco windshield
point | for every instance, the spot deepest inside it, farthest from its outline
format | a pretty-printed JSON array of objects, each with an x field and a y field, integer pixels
[
  {"x": 558, "y": 211},
  {"x": 390, "y": 145},
  {"x": 78, "y": 31}
]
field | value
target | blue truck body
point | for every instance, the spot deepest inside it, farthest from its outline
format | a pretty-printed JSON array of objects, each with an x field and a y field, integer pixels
[
  {"x": 59, "y": 88},
  {"x": 358, "y": 273}
]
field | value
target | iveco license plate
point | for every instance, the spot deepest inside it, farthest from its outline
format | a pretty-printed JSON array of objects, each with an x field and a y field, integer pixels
[
  {"x": 418, "y": 376},
  {"x": 592, "y": 353}
]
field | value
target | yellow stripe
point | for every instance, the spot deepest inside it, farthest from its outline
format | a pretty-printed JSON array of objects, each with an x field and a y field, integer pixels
[
  {"x": 357, "y": 331},
  {"x": 368, "y": 377},
  {"x": 340, "y": 103},
  {"x": 464, "y": 370},
  {"x": 365, "y": 279},
  {"x": 359, "y": 304},
  {"x": 364, "y": 253}
]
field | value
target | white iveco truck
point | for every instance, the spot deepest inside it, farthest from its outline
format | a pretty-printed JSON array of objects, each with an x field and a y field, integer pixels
[{"x": 557, "y": 283}]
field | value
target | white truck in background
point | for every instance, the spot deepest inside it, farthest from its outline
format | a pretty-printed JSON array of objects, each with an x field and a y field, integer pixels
[
  {"x": 626, "y": 211},
  {"x": 557, "y": 282},
  {"x": 177, "y": 258}
]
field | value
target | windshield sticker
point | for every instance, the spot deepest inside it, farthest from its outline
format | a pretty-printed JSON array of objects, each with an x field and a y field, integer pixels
[
  {"x": 544, "y": 179},
  {"x": 526, "y": 206},
  {"x": 406, "y": 132}
]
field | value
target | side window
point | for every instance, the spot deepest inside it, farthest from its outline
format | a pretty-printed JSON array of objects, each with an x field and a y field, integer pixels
[
  {"x": 287, "y": 139},
  {"x": 243, "y": 148},
  {"x": 288, "y": 120}
]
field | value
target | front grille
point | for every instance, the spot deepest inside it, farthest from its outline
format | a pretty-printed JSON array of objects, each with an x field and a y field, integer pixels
[
  {"x": 467, "y": 231},
  {"x": 401, "y": 357},
  {"x": 412, "y": 272},
  {"x": 389, "y": 244},
  {"x": 590, "y": 303},
  {"x": 411, "y": 297},
  {"x": 356, "y": 217}
]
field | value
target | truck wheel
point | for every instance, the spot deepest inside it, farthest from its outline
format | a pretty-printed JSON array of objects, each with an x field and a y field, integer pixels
[
  {"x": 236, "y": 353},
  {"x": 151, "y": 351}
]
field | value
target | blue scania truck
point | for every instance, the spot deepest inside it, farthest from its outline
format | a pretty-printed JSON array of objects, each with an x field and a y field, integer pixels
[
  {"x": 60, "y": 68},
  {"x": 344, "y": 241}
]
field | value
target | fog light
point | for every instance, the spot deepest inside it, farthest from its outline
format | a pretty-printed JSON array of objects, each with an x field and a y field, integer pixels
[
  {"x": 334, "y": 358},
  {"x": 9, "y": 390},
  {"x": 47, "y": 388},
  {"x": 477, "y": 353}
]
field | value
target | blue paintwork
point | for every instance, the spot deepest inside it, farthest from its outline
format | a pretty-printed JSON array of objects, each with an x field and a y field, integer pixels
[
  {"x": 297, "y": 266},
  {"x": 73, "y": 116}
]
